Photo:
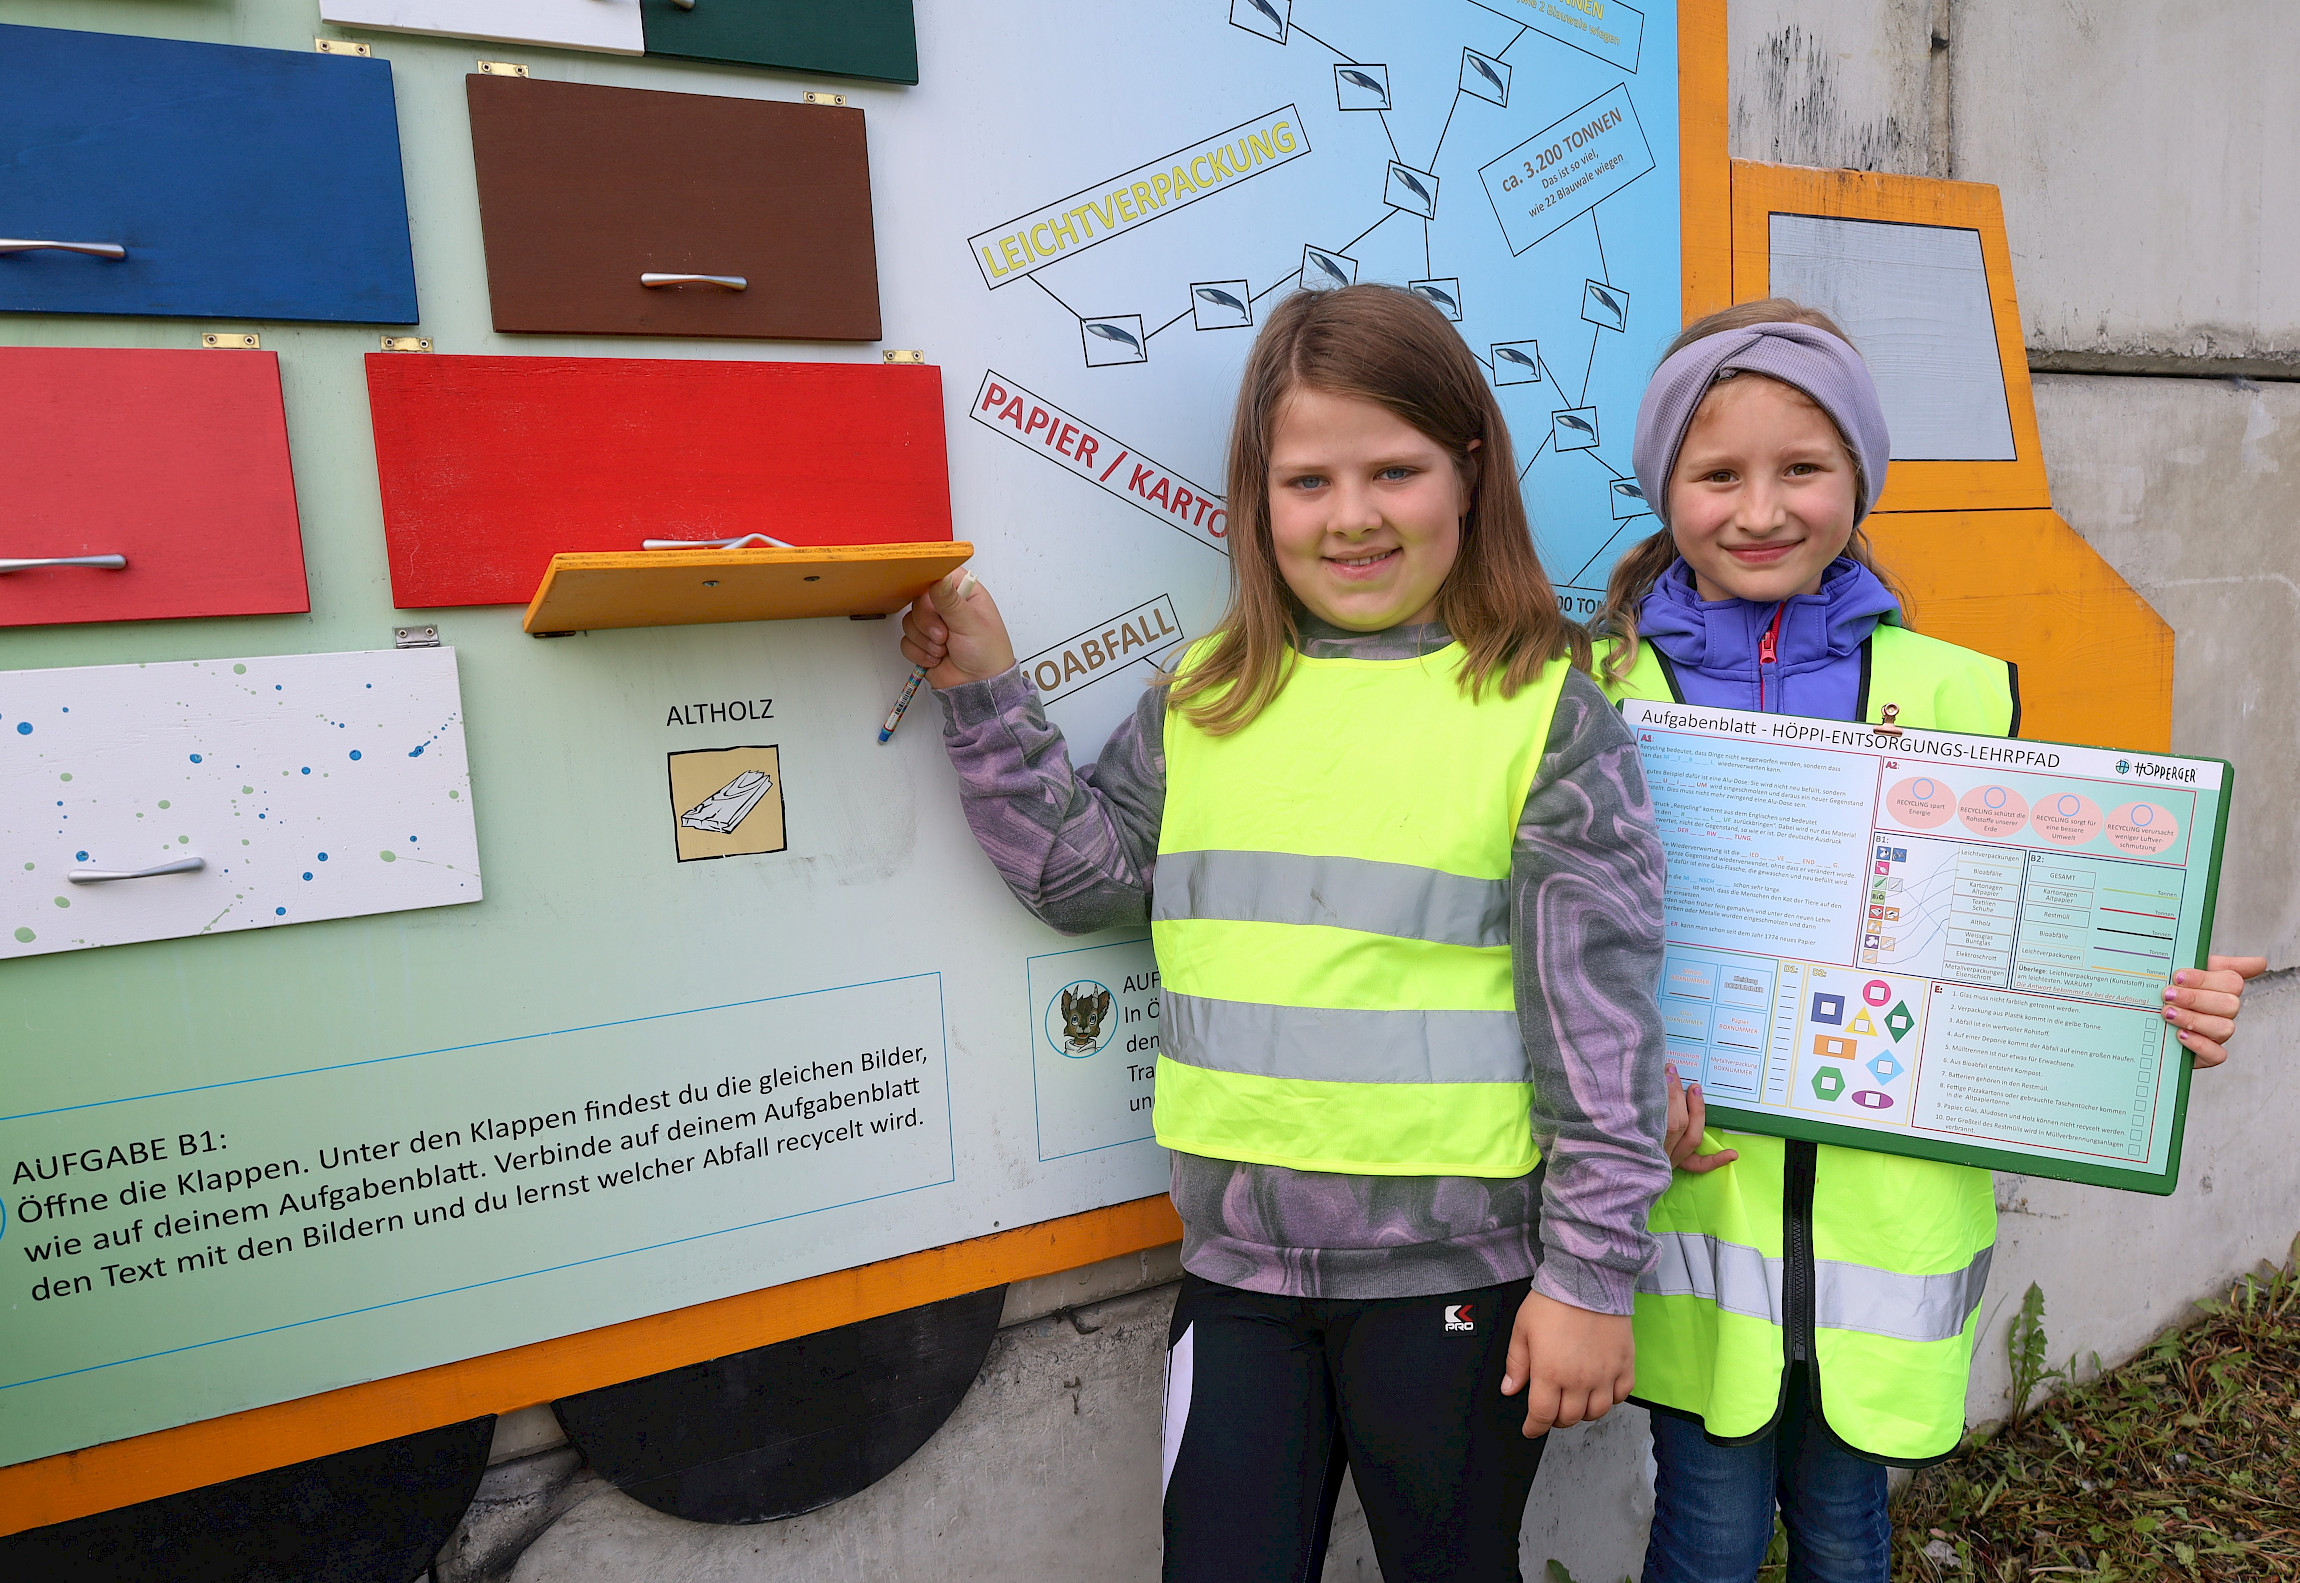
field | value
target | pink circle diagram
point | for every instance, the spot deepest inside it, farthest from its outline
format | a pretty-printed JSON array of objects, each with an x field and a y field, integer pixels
[
  {"x": 1876, "y": 992},
  {"x": 2066, "y": 818},
  {"x": 1921, "y": 802},
  {"x": 1992, "y": 810},
  {"x": 2142, "y": 828}
]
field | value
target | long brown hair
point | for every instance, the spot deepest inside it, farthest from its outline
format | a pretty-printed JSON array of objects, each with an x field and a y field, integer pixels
[
  {"x": 1635, "y": 573},
  {"x": 1389, "y": 347}
]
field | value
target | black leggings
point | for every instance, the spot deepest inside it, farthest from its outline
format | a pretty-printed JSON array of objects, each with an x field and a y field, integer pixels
[{"x": 1268, "y": 1399}]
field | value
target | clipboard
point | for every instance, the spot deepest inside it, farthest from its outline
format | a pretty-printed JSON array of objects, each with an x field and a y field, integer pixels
[{"x": 1930, "y": 943}]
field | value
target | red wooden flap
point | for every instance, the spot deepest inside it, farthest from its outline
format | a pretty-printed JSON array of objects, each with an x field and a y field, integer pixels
[
  {"x": 489, "y": 466},
  {"x": 177, "y": 460}
]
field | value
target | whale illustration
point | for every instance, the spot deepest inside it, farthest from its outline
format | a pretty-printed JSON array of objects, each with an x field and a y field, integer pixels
[
  {"x": 1407, "y": 177},
  {"x": 1516, "y": 356},
  {"x": 1328, "y": 265},
  {"x": 1357, "y": 78},
  {"x": 1111, "y": 332},
  {"x": 1572, "y": 422},
  {"x": 1612, "y": 304},
  {"x": 1488, "y": 73},
  {"x": 1221, "y": 298},
  {"x": 1269, "y": 11},
  {"x": 1436, "y": 295}
]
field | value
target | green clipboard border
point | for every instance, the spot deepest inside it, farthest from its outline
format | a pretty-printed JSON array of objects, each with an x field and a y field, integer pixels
[{"x": 1767, "y": 1124}]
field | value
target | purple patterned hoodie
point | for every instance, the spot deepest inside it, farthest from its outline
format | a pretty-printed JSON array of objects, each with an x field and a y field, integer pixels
[{"x": 1078, "y": 847}]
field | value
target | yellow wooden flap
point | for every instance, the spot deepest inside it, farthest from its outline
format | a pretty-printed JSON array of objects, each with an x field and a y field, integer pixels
[{"x": 668, "y": 588}]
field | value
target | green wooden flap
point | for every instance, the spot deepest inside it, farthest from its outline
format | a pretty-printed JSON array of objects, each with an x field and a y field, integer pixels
[{"x": 847, "y": 38}]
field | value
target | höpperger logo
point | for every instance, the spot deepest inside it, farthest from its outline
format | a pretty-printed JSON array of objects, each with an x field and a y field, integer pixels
[{"x": 1457, "y": 1316}]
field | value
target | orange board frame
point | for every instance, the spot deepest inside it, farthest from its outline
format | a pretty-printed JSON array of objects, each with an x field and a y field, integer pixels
[
  {"x": 1984, "y": 560},
  {"x": 168, "y": 1461}
]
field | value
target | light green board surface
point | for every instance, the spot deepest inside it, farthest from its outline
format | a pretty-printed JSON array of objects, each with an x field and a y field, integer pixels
[{"x": 599, "y": 966}]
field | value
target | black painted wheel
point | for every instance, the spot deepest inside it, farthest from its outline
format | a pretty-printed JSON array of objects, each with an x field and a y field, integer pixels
[{"x": 787, "y": 1428}]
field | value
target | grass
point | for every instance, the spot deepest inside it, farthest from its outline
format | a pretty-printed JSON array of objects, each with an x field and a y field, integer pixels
[{"x": 2183, "y": 1463}]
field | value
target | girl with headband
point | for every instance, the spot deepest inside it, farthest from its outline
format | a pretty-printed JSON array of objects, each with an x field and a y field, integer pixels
[{"x": 1810, "y": 1320}]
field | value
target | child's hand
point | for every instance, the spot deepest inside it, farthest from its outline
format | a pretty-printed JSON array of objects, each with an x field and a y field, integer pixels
[
  {"x": 2203, "y": 1006},
  {"x": 1574, "y": 1366},
  {"x": 1688, "y": 1119},
  {"x": 957, "y": 638}
]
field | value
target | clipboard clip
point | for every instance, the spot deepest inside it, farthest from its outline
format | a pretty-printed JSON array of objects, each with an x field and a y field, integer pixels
[{"x": 1889, "y": 726}]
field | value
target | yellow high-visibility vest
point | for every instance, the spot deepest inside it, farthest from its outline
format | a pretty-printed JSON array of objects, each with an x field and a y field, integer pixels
[
  {"x": 1870, "y": 1264},
  {"x": 1331, "y": 915}
]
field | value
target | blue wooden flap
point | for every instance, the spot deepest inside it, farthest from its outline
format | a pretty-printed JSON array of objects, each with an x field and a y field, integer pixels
[{"x": 244, "y": 183}]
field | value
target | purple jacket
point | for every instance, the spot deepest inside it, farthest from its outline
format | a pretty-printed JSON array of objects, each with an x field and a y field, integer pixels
[{"x": 1718, "y": 647}]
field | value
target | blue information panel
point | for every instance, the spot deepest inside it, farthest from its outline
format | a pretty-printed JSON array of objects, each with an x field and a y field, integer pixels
[
  {"x": 1939, "y": 945},
  {"x": 236, "y": 183}
]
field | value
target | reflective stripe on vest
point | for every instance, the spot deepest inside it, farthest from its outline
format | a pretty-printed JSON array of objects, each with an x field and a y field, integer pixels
[
  {"x": 1908, "y": 1242},
  {"x": 1331, "y": 914},
  {"x": 1741, "y": 1280}
]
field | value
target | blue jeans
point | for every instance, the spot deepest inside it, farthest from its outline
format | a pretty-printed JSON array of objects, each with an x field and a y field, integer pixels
[{"x": 1713, "y": 1505}]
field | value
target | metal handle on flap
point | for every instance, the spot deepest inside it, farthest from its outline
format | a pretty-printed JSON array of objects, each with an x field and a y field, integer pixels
[
  {"x": 92, "y": 249},
  {"x": 731, "y": 282},
  {"x": 96, "y": 876},
  {"x": 102, "y": 563}
]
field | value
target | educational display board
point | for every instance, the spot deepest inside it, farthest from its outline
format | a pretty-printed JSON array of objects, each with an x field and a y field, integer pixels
[
  {"x": 1933, "y": 944},
  {"x": 743, "y": 1002}
]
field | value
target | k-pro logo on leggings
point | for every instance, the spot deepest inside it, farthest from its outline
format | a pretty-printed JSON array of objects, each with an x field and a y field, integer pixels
[{"x": 1457, "y": 1316}]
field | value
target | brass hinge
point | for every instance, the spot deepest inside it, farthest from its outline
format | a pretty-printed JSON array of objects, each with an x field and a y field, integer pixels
[
  {"x": 501, "y": 68},
  {"x": 824, "y": 98},
  {"x": 407, "y": 343},
  {"x": 340, "y": 46},
  {"x": 902, "y": 354},
  {"x": 232, "y": 341}
]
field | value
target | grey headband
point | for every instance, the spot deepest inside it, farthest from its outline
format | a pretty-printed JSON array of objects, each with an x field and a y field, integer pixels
[{"x": 1813, "y": 360}]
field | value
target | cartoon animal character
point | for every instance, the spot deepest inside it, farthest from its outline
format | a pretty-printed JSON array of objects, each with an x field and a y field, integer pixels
[{"x": 1082, "y": 1014}]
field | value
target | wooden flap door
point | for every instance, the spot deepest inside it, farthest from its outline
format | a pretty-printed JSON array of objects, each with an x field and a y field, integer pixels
[
  {"x": 174, "y": 461},
  {"x": 625, "y": 211},
  {"x": 848, "y": 38},
  {"x": 611, "y": 26},
  {"x": 155, "y": 176},
  {"x": 489, "y": 466}
]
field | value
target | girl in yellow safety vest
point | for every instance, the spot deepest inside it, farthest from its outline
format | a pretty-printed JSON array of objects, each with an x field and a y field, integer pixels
[
  {"x": 1403, "y": 884},
  {"x": 1811, "y": 1315}
]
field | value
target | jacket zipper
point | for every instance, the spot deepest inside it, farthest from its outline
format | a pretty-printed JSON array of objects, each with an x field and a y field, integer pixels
[
  {"x": 1797, "y": 1275},
  {"x": 1769, "y": 653}
]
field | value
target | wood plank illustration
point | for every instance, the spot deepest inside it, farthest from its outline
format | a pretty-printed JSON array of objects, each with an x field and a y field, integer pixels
[
  {"x": 174, "y": 461},
  {"x": 489, "y": 466},
  {"x": 625, "y": 211}
]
